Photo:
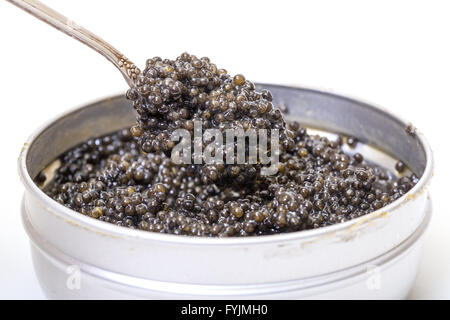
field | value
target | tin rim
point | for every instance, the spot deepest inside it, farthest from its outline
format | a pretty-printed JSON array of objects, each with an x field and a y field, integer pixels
[
  {"x": 338, "y": 278},
  {"x": 75, "y": 218}
]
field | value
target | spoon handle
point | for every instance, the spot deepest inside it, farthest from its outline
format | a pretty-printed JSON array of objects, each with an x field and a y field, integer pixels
[{"x": 63, "y": 24}]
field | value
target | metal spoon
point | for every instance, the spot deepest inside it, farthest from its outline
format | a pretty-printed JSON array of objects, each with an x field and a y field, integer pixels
[{"x": 63, "y": 24}]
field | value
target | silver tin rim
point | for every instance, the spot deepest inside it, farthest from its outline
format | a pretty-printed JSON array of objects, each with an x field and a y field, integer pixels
[
  {"x": 88, "y": 223},
  {"x": 338, "y": 277}
]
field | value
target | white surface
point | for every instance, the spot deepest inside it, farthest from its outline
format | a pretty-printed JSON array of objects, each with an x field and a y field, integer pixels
[{"x": 395, "y": 54}]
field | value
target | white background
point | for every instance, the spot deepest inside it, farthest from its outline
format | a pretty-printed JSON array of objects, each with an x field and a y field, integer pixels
[{"x": 393, "y": 53}]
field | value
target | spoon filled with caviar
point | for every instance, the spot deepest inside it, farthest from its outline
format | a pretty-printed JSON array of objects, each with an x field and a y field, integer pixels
[{"x": 129, "y": 179}]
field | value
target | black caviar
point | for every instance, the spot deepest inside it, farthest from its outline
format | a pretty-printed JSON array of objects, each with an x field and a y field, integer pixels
[
  {"x": 172, "y": 94},
  {"x": 317, "y": 185},
  {"x": 128, "y": 178}
]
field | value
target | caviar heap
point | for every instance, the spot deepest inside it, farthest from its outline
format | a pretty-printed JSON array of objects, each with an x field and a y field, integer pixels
[
  {"x": 127, "y": 177},
  {"x": 172, "y": 94}
]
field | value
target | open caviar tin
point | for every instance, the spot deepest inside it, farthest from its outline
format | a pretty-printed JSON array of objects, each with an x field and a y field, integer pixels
[{"x": 373, "y": 256}]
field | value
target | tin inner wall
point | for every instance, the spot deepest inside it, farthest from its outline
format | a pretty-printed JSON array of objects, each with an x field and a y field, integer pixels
[{"x": 312, "y": 108}]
